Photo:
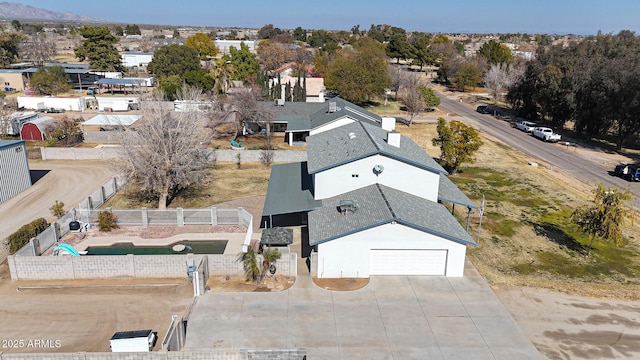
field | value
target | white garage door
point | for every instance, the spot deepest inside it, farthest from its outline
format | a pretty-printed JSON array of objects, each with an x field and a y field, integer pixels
[{"x": 408, "y": 262}]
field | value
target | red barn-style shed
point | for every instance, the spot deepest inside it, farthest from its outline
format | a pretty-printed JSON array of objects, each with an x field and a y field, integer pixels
[{"x": 35, "y": 130}]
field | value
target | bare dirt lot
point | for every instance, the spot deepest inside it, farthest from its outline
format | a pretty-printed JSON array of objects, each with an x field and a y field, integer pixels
[{"x": 83, "y": 315}]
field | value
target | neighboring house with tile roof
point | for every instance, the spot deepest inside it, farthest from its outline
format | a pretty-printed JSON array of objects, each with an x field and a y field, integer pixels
[{"x": 372, "y": 201}]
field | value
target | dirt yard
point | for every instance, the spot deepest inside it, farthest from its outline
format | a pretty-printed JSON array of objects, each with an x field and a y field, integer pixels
[{"x": 83, "y": 315}]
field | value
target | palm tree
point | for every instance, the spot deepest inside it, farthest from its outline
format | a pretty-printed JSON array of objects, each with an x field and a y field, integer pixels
[
  {"x": 222, "y": 73},
  {"x": 269, "y": 256},
  {"x": 250, "y": 263}
]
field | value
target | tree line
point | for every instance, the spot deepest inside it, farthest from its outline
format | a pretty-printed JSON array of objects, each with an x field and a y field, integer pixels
[{"x": 595, "y": 84}]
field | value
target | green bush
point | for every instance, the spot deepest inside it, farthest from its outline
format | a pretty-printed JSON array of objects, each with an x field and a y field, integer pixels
[
  {"x": 21, "y": 237},
  {"x": 107, "y": 221}
]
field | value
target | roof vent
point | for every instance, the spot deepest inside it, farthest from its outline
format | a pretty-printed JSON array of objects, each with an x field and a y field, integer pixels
[
  {"x": 347, "y": 206},
  {"x": 393, "y": 138},
  {"x": 352, "y": 135},
  {"x": 333, "y": 106},
  {"x": 389, "y": 123},
  {"x": 378, "y": 169}
]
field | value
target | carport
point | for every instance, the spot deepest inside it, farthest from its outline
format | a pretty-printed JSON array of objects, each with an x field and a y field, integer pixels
[
  {"x": 289, "y": 196},
  {"x": 121, "y": 84}
]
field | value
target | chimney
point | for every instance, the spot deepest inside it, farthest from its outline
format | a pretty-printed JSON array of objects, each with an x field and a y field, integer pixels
[
  {"x": 389, "y": 123},
  {"x": 393, "y": 138}
]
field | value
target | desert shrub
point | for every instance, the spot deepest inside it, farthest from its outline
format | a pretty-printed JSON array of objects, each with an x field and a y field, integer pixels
[
  {"x": 22, "y": 236},
  {"x": 57, "y": 209},
  {"x": 107, "y": 221}
]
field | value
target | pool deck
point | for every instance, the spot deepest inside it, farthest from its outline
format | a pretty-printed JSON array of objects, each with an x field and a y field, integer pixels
[{"x": 234, "y": 240}]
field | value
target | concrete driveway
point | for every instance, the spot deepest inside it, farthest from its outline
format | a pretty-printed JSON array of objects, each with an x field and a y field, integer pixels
[{"x": 393, "y": 317}]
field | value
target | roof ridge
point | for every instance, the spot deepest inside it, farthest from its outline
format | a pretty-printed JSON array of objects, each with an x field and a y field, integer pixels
[
  {"x": 375, "y": 143},
  {"x": 386, "y": 201}
]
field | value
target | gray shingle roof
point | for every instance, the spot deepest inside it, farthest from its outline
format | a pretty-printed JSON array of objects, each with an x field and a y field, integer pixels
[
  {"x": 378, "y": 205},
  {"x": 291, "y": 108},
  {"x": 276, "y": 236},
  {"x": 289, "y": 190},
  {"x": 336, "y": 147},
  {"x": 343, "y": 108},
  {"x": 449, "y": 192}
]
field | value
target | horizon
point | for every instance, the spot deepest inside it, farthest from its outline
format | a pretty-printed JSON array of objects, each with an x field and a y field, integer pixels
[{"x": 588, "y": 17}]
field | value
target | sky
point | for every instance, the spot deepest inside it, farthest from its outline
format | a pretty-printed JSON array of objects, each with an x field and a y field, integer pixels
[{"x": 581, "y": 17}]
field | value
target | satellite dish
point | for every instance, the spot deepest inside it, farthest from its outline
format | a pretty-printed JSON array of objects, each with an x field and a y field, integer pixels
[{"x": 378, "y": 169}]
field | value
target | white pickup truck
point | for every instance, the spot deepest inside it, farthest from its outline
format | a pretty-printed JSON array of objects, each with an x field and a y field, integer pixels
[{"x": 546, "y": 134}]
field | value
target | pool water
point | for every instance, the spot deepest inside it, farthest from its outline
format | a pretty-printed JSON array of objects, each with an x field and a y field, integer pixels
[{"x": 197, "y": 247}]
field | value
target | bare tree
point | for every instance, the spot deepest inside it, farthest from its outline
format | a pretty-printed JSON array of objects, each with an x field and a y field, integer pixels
[
  {"x": 272, "y": 55},
  {"x": 411, "y": 97},
  {"x": 40, "y": 49},
  {"x": 398, "y": 78},
  {"x": 167, "y": 151},
  {"x": 501, "y": 77}
]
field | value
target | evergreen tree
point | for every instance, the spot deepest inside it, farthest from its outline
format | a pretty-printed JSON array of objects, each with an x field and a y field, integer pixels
[
  {"x": 304, "y": 88},
  {"x": 287, "y": 91},
  {"x": 99, "y": 48}
]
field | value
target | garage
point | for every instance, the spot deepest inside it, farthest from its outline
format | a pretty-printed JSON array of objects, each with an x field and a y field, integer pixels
[{"x": 408, "y": 262}]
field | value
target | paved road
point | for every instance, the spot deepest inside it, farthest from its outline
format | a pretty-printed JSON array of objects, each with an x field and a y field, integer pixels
[
  {"x": 66, "y": 181},
  {"x": 557, "y": 155}
]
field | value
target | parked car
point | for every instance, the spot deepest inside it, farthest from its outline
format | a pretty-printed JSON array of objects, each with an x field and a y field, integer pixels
[
  {"x": 526, "y": 126},
  {"x": 630, "y": 172},
  {"x": 483, "y": 109},
  {"x": 546, "y": 134}
]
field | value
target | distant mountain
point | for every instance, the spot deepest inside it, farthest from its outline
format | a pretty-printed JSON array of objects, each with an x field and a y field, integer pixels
[{"x": 17, "y": 11}]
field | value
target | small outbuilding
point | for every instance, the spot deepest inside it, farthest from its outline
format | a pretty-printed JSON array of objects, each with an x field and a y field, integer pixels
[
  {"x": 133, "y": 341},
  {"x": 277, "y": 237},
  {"x": 15, "y": 176},
  {"x": 109, "y": 122},
  {"x": 36, "y": 129}
]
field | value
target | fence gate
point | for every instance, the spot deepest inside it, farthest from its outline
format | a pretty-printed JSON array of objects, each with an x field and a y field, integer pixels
[{"x": 201, "y": 276}]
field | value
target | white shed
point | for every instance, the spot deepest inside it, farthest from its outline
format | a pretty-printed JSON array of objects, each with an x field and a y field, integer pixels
[
  {"x": 133, "y": 341},
  {"x": 15, "y": 176},
  {"x": 135, "y": 59}
]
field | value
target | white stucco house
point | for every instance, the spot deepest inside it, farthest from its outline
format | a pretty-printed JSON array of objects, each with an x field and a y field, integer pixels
[{"x": 372, "y": 200}]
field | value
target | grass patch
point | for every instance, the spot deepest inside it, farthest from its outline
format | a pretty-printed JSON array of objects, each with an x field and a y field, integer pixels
[{"x": 226, "y": 182}]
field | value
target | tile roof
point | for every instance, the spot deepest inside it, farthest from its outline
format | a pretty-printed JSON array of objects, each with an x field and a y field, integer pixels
[
  {"x": 359, "y": 140},
  {"x": 378, "y": 205}
]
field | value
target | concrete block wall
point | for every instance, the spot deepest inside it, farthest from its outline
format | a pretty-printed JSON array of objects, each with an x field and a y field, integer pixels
[
  {"x": 267, "y": 354},
  {"x": 225, "y": 264},
  {"x": 102, "y": 267},
  {"x": 41, "y": 267},
  {"x": 54, "y": 153},
  {"x": 163, "y": 266},
  {"x": 225, "y": 155},
  {"x": 134, "y": 266}
]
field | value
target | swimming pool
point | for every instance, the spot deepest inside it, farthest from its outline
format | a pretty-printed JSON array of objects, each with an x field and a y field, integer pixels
[{"x": 191, "y": 246}]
